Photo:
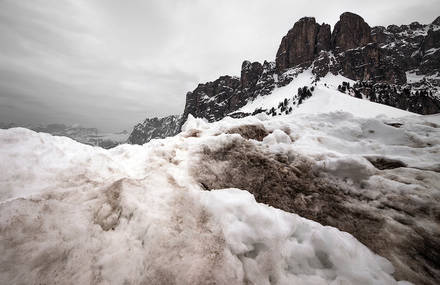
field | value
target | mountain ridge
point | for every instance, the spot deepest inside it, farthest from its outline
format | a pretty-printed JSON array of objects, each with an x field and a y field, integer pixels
[{"x": 379, "y": 59}]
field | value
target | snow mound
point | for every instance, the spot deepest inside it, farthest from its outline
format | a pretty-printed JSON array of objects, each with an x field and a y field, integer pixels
[{"x": 71, "y": 213}]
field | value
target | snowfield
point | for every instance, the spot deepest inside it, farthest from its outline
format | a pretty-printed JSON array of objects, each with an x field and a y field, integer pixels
[
  {"x": 76, "y": 214},
  {"x": 326, "y": 98}
]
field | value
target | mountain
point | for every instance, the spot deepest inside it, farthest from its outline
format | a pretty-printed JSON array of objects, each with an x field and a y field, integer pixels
[
  {"x": 90, "y": 136},
  {"x": 154, "y": 128},
  {"x": 397, "y": 66}
]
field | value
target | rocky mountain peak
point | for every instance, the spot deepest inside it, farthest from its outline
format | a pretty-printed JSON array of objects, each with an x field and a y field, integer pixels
[
  {"x": 351, "y": 31},
  {"x": 300, "y": 44},
  {"x": 397, "y": 66}
]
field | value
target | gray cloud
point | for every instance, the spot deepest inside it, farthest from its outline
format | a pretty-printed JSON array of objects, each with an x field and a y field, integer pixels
[{"x": 111, "y": 63}]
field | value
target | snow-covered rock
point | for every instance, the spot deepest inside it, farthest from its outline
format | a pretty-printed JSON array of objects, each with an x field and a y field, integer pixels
[{"x": 155, "y": 128}]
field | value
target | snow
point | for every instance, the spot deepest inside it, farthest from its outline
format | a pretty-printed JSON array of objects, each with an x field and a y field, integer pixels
[
  {"x": 413, "y": 77},
  {"x": 76, "y": 213},
  {"x": 279, "y": 94},
  {"x": 136, "y": 214},
  {"x": 326, "y": 98}
]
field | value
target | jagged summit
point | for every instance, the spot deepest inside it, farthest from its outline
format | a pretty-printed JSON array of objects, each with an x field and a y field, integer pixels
[
  {"x": 302, "y": 43},
  {"x": 397, "y": 66},
  {"x": 351, "y": 31}
]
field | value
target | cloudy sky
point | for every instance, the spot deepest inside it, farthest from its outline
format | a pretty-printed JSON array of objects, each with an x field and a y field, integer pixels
[{"x": 111, "y": 63}]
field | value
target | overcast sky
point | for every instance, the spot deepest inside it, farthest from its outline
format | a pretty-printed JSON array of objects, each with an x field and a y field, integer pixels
[{"x": 112, "y": 63}]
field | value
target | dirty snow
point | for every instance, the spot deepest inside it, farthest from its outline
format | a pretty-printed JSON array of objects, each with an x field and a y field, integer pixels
[{"x": 71, "y": 213}]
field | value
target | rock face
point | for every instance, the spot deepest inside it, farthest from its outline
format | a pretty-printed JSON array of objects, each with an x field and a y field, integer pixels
[
  {"x": 370, "y": 63},
  {"x": 374, "y": 56},
  {"x": 205, "y": 99},
  {"x": 350, "y": 31},
  {"x": 155, "y": 128},
  {"x": 250, "y": 73},
  {"x": 302, "y": 43},
  {"x": 323, "y": 41}
]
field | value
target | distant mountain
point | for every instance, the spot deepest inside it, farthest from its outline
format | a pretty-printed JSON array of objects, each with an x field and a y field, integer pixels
[
  {"x": 397, "y": 66},
  {"x": 90, "y": 136}
]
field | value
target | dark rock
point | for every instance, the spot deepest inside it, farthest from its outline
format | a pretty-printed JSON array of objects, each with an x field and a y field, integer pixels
[
  {"x": 212, "y": 100},
  {"x": 432, "y": 40},
  {"x": 154, "y": 128},
  {"x": 369, "y": 63},
  {"x": 299, "y": 45},
  {"x": 350, "y": 32},
  {"x": 412, "y": 97},
  {"x": 323, "y": 41},
  {"x": 394, "y": 29},
  {"x": 378, "y": 34},
  {"x": 250, "y": 73},
  {"x": 415, "y": 26}
]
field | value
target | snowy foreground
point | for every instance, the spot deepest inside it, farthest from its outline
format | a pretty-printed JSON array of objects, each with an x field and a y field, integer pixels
[{"x": 76, "y": 214}]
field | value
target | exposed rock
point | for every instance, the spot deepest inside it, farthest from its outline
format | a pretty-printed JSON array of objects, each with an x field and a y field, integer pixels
[
  {"x": 323, "y": 41},
  {"x": 370, "y": 63},
  {"x": 350, "y": 31},
  {"x": 299, "y": 45},
  {"x": 415, "y": 26},
  {"x": 415, "y": 98},
  {"x": 432, "y": 40},
  {"x": 378, "y": 34},
  {"x": 436, "y": 21},
  {"x": 205, "y": 100},
  {"x": 154, "y": 128},
  {"x": 250, "y": 73}
]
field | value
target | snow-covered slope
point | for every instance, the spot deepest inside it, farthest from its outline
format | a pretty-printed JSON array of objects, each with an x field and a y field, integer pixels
[
  {"x": 72, "y": 213},
  {"x": 326, "y": 98}
]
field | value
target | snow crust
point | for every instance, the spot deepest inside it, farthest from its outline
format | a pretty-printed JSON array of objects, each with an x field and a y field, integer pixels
[{"x": 72, "y": 213}]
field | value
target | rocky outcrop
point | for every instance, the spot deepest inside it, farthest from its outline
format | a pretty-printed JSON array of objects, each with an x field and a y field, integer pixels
[
  {"x": 414, "y": 97},
  {"x": 432, "y": 40},
  {"x": 370, "y": 63},
  {"x": 250, "y": 73},
  {"x": 204, "y": 101},
  {"x": 323, "y": 41},
  {"x": 302, "y": 43},
  {"x": 155, "y": 128},
  {"x": 350, "y": 31}
]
